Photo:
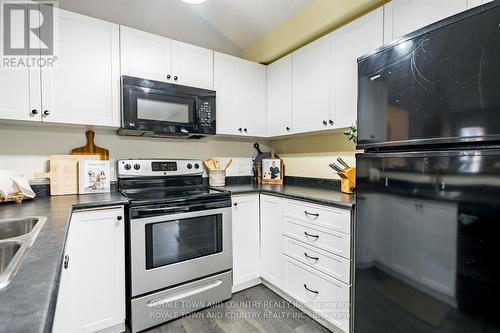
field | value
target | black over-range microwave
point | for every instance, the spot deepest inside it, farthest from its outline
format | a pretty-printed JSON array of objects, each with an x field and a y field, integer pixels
[{"x": 153, "y": 108}]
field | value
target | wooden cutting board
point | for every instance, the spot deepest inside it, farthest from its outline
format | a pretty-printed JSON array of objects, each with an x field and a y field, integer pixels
[
  {"x": 63, "y": 173},
  {"x": 91, "y": 149}
]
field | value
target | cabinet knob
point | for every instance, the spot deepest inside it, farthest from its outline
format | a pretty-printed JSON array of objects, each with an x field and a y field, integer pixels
[
  {"x": 235, "y": 204},
  {"x": 168, "y": 76},
  {"x": 239, "y": 129},
  {"x": 34, "y": 112},
  {"x": 325, "y": 123},
  {"x": 245, "y": 130},
  {"x": 46, "y": 113},
  {"x": 175, "y": 78},
  {"x": 330, "y": 122},
  {"x": 288, "y": 129},
  {"x": 119, "y": 218},
  {"x": 66, "y": 261}
]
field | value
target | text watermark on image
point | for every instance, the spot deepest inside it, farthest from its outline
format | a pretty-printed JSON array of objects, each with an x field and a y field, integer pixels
[{"x": 28, "y": 32}]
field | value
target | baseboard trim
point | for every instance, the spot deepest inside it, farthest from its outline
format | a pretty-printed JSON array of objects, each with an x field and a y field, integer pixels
[{"x": 246, "y": 285}]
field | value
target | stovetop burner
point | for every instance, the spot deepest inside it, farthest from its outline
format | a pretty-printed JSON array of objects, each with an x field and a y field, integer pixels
[{"x": 148, "y": 182}]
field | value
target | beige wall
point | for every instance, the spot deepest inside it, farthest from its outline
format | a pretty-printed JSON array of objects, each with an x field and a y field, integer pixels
[
  {"x": 25, "y": 148},
  {"x": 309, "y": 155},
  {"x": 316, "y": 19}
]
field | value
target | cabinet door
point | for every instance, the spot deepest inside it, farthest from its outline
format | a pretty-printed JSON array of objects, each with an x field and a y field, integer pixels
[
  {"x": 20, "y": 92},
  {"x": 311, "y": 86},
  {"x": 83, "y": 87},
  {"x": 271, "y": 221},
  {"x": 347, "y": 44},
  {"x": 92, "y": 290},
  {"x": 192, "y": 65},
  {"x": 227, "y": 74},
  {"x": 246, "y": 239},
  {"x": 404, "y": 16},
  {"x": 253, "y": 98},
  {"x": 145, "y": 55},
  {"x": 279, "y": 97}
]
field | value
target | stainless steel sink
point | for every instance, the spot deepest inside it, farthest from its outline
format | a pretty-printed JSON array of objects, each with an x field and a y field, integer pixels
[
  {"x": 16, "y": 227},
  {"x": 8, "y": 251},
  {"x": 16, "y": 236}
]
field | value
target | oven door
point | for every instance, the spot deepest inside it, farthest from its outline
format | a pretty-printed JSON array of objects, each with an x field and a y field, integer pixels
[{"x": 171, "y": 249}]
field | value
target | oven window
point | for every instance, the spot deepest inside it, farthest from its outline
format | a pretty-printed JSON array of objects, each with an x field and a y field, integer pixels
[
  {"x": 179, "y": 240},
  {"x": 151, "y": 109}
]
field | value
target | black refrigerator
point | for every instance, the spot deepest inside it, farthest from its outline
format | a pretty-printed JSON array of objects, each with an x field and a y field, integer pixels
[{"x": 427, "y": 231}]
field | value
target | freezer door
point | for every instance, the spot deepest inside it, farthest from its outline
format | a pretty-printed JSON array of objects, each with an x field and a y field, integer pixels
[
  {"x": 440, "y": 86},
  {"x": 426, "y": 253}
]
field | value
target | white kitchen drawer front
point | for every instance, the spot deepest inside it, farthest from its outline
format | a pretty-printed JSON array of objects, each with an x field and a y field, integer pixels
[
  {"x": 332, "y": 218},
  {"x": 326, "y": 296},
  {"x": 334, "y": 242},
  {"x": 335, "y": 266}
]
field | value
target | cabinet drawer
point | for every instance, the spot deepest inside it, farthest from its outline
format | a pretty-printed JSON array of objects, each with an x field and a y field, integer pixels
[
  {"x": 328, "y": 217},
  {"x": 335, "y": 266},
  {"x": 326, "y": 296},
  {"x": 334, "y": 242},
  {"x": 175, "y": 302}
]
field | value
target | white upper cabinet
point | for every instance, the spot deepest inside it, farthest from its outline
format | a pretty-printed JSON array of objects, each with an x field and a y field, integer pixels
[
  {"x": 83, "y": 87},
  {"x": 311, "y": 86},
  {"x": 18, "y": 99},
  {"x": 192, "y": 65},
  {"x": 153, "y": 57},
  {"x": 253, "y": 98},
  {"x": 404, "y": 16},
  {"x": 347, "y": 44},
  {"x": 279, "y": 97},
  {"x": 240, "y": 86},
  {"x": 227, "y": 73},
  {"x": 145, "y": 55}
]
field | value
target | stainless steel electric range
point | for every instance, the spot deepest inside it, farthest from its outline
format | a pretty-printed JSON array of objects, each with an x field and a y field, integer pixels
[{"x": 179, "y": 240}]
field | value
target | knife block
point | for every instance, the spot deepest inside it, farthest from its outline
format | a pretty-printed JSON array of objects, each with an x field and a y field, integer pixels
[{"x": 348, "y": 180}]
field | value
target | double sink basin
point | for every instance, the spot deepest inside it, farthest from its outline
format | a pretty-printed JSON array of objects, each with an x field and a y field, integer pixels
[{"x": 16, "y": 235}]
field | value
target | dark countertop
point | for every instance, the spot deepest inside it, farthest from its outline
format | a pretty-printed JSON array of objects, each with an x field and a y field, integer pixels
[
  {"x": 27, "y": 303},
  {"x": 324, "y": 196}
]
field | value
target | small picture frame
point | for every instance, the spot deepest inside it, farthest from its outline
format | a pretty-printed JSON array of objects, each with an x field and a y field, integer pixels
[
  {"x": 94, "y": 176},
  {"x": 272, "y": 171}
]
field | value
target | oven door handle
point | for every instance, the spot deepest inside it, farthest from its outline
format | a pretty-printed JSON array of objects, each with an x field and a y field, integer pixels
[
  {"x": 163, "y": 209},
  {"x": 155, "y": 303},
  {"x": 177, "y": 209}
]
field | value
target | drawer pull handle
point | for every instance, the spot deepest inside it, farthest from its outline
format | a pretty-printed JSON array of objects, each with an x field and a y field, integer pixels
[
  {"x": 309, "y": 257},
  {"x": 311, "y": 214},
  {"x": 309, "y": 235},
  {"x": 310, "y": 290}
]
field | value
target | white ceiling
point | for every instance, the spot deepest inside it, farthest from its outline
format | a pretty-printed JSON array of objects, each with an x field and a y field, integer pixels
[{"x": 227, "y": 26}]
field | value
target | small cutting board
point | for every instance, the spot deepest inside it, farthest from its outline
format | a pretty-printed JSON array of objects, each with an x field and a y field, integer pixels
[
  {"x": 91, "y": 149},
  {"x": 63, "y": 173}
]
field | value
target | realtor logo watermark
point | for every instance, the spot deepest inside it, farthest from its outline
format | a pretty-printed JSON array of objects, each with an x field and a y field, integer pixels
[{"x": 28, "y": 34}]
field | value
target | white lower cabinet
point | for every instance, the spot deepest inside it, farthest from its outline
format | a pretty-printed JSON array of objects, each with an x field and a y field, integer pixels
[
  {"x": 271, "y": 225},
  {"x": 246, "y": 240},
  {"x": 92, "y": 289},
  {"x": 306, "y": 255},
  {"x": 326, "y": 296}
]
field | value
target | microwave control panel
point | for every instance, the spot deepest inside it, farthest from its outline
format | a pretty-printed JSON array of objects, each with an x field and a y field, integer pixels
[{"x": 206, "y": 114}]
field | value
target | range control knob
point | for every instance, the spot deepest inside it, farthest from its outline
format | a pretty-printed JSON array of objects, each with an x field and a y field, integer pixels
[
  {"x": 137, "y": 166},
  {"x": 189, "y": 166},
  {"x": 196, "y": 166},
  {"x": 127, "y": 166}
]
